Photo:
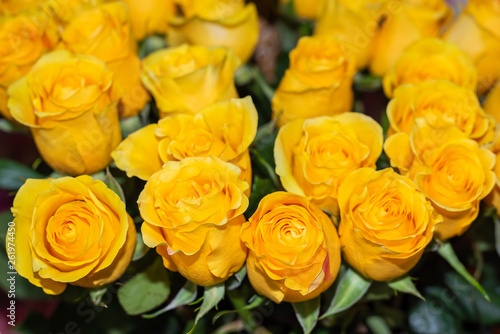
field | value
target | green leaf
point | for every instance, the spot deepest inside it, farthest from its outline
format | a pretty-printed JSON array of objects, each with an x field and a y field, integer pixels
[
  {"x": 130, "y": 125},
  {"x": 404, "y": 284},
  {"x": 426, "y": 318},
  {"x": 351, "y": 288},
  {"x": 266, "y": 89},
  {"x": 447, "y": 253},
  {"x": 146, "y": 290},
  {"x": 243, "y": 75},
  {"x": 10, "y": 127},
  {"x": 112, "y": 184},
  {"x": 497, "y": 235},
  {"x": 377, "y": 325},
  {"x": 468, "y": 301},
  {"x": 266, "y": 167},
  {"x": 185, "y": 296},
  {"x": 366, "y": 82},
  {"x": 13, "y": 174},
  {"x": 260, "y": 188},
  {"x": 307, "y": 313},
  {"x": 211, "y": 297},
  {"x": 253, "y": 302},
  {"x": 140, "y": 248},
  {"x": 151, "y": 44},
  {"x": 235, "y": 281},
  {"x": 96, "y": 295}
]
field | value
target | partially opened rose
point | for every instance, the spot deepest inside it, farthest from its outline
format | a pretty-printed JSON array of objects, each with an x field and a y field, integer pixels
[
  {"x": 294, "y": 251},
  {"x": 314, "y": 156},
  {"x": 193, "y": 212},
  {"x": 150, "y": 16},
  {"x": 104, "y": 32},
  {"x": 385, "y": 224},
  {"x": 406, "y": 22},
  {"x": 71, "y": 231},
  {"x": 451, "y": 170},
  {"x": 476, "y": 31},
  {"x": 217, "y": 23},
  {"x": 187, "y": 78},
  {"x": 24, "y": 38},
  {"x": 354, "y": 30},
  {"x": 69, "y": 102},
  {"x": 223, "y": 129},
  {"x": 318, "y": 82},
  {"x": 441, "y": 103},
  {"x": 431, "y": 59}
]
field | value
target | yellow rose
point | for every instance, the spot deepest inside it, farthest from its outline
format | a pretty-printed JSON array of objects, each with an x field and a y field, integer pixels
[
  {"x": 104, "y": 32},
  {"x": 352, "y": 25},
  {"x": 217, "y": 23},
  {"x": 314, "y": 156},
  {"x": 441, "y": 103},
  {"x": 452, "y": 171},
  {"x": 494, "y": 197},
  {"x": 193, "y": 212},
  {"x": 223, "y": 129},
  {"x": 476, "y": 31},
  {"x": 69, "y": 102},
  {"x": 308, "y": 9},
  {"x": 24, "y": 39},
  {"x": 13, "y": 7},
  {"x": 71, "y": 231},
  {"x": 431, "y": 59},
  {"x": 492, "y": 103},
  {"x": 150, "y": 16},
  {"x": 406, "y": 22},
  {"x": 318, "y": 82},
  {"x": 294, "y": 251},
  {"x": 187, "y": 78},
  {"x": 386, "y": 223},
  {"x": 63, "y": 11}
]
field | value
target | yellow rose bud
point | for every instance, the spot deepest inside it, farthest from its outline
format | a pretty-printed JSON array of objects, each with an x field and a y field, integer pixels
[
  {"x": 386, "y": 223},
  {"x": 476, "y": 31},
  {"x": 150, "y": 16},
  {"x": 453, "y": 172},
  {"x": 71, "y": 231},
  {"x": 187, "y": 78},
  {"x": 104, "y": 32},
  {"x": 492, "y": 103},
  {"x": 193, "y": 212},
  {"x": 431, "y": 59},
  {"x": 13, "y": 7},
  {"x": 223, "y": 129},
  {"x": 355, "y": 23},
  {"x": 294, "y": 251},
  {"x": 69, "y": 102},
  {"x": 24, "y": 39},
  {"x": 405, "y": 22},
  {"x": 441, "y": 103},
  {"x": 217, "y": 23},
  {"x": 308, "y": 9},
  {"x": 314, "y": 156},
  {"x": 318, "y": 82}
]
